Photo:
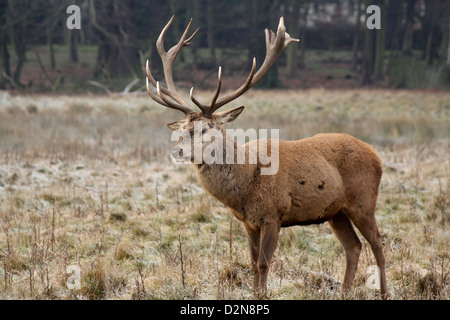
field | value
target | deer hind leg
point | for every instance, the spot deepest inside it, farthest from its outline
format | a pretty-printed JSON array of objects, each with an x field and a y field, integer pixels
[
  {"x": 345, "y": 233},
  {"x": 367, "y": 225}
]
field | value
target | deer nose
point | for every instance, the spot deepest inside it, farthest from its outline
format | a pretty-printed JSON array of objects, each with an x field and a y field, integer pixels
[{"x": 177, "y": 153}]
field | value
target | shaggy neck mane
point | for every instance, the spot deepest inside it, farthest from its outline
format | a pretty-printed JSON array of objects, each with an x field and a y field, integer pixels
[{"x": 229, "y": 183}]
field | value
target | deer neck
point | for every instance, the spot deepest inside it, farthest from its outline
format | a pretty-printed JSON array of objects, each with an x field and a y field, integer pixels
[{"x": 230, "y": 183}]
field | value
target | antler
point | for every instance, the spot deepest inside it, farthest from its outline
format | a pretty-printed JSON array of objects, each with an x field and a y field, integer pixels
[
  {"x": 275, "y": 44},
  {"x": 168, "y": 58}
]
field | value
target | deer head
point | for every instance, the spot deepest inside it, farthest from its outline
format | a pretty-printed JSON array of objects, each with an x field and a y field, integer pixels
[{"x": 197, "y": 123}]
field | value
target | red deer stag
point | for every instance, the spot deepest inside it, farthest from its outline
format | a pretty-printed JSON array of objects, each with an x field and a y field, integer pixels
[{"x": 328, "y": 177}]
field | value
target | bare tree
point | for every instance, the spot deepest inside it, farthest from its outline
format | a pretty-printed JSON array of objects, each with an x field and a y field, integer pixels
[
  {"x": 17, "y": 18},
  {"x": 113, "y": 24}
]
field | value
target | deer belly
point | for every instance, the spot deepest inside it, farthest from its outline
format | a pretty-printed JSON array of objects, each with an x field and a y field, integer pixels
[{"x": 313, "y": 207}]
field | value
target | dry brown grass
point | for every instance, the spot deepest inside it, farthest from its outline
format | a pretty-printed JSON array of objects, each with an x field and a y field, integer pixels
[{"x": 87, "y": 181}]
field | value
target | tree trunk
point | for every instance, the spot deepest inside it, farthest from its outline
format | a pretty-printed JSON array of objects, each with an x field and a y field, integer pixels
[
  {"x": 17, "y": 34},
  {"x": 210, "y": 31},
  {"x": 428, "y": 48},
  {"x": 192, "y": 11},
  {"x": 4, "y": 53},
  {"x": 4, "y": 56},
  {"x": 432, "y": 28},
  {"x": 448, "y": 47},
  {"x": 271, "y": 79},
  {"x": 408, "y": 37},
  {"x": 356, "y": 35},
  {"x": 51, "y": 50},
  {"x": 21, "y": 58},
  {"x": 303, "y": 35},
  {"x": 395, "y": 23},
  {"x": 73, "y": 52},
  {"x": 443, "y": 51},
  {"x": 380, "y": 44},
  {"x": 368, "y": 58},
  {"x": 252, "y": 48},
  {"x": 291, "y": 51},
  {"x": 4, "y": 62}
]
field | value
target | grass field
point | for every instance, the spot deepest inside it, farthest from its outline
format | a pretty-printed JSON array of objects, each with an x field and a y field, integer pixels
[{"x": 86, "y": 181}]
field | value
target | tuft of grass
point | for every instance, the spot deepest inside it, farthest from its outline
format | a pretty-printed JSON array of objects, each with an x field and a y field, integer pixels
[
  {"x": 13, "y": 263},
  {"x": 430, "y": 286},
  {"x": 118, "y": 216},
  {"x": 79, "y": 108},
  {"x": 95, "y": 281},
  {"x": 139, "y": 231},
  {"x": 202, "y": 214},
  {"x": 124, "y": 250},
  {"x": 442, "y": 202},
  {"x": 32, "y": 109}
]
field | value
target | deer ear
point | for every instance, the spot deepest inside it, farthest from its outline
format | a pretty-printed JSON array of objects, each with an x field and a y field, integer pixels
[
  {"x": 175, "y": 125},
  {"x": 229, "y": 115}
]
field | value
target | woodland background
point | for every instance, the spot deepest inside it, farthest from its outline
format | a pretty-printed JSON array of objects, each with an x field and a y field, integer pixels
[{"x": 39, "y": 53}]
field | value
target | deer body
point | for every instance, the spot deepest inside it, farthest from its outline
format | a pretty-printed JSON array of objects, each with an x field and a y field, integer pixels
[
  {"x": 307, "y": 188},
  {"x": 322, "y": 177},
  {"x": 327, "y": 177},
  {"x": 316, "y": 179}
]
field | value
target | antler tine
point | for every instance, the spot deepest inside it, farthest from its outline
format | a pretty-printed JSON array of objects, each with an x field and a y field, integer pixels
[
  {"x": 163, "y": 101},
  {"x": 149, "y": 73},
  {"x": 207, "y": 109},
  {"x": 187, "y": 42},
  {"x": 170, "y": 104},
  {"x": 162, "y": 35},
  {"x": 152, "y": 95},
  {"x": 182, "y": 42},
  {"x": 236, "y": 93},
  {"x": 219, "y": 85},
  {"x": 275, "y": 44},
  {"x": 197, "y": 103}
]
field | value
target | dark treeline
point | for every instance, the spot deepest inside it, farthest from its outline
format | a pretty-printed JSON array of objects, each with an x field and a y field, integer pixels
[{"x": 414, "y": 32}]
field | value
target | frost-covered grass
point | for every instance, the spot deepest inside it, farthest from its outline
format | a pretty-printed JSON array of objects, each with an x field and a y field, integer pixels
[{"x": 86, "y": 181}]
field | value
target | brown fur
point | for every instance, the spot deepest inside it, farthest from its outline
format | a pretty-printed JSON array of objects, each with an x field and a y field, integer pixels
[{"x": 328, "y": 177}]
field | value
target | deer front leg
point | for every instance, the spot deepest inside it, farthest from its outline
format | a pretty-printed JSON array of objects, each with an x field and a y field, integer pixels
[
  {"x": 269, "y": 239},
  {"x": 253, "y": 241}
]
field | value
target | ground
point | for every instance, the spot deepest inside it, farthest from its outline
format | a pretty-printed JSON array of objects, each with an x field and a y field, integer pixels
[{"x": 86, "y": 184}]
